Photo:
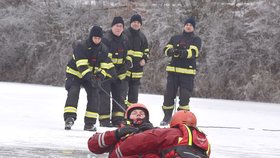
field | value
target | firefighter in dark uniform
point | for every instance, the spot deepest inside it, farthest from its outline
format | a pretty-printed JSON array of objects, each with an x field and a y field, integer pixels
[
  {"x": 88, "y": 67},
  {"x": 140, "y": 55},
  {"x": 118, "y": 46},
  {"x": 183, "y": 49}
]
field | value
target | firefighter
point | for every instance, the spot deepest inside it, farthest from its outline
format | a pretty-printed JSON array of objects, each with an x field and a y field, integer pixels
[
  {"x": 88, "y": 67},
  {"x": 137, "y": 120},
  {"x": 118, "y": 46},
  {"x": 183, "y": 49},
  {"x": 140, "y": 55},
  {"x": 182, "y": 139}
]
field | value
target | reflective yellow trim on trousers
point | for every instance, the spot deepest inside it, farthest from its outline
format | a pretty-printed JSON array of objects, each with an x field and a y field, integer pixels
[
  {"x": 106, "y": 65},
  {"x": 193, "y": 47},
  {"x": 70, "y": 109},
  {"x": 120, "y": 114},
  {"x": 184, "y": 107},
  {"x": 81, "y": 62},
  {"x": 168, "y": 46},
  {"x": 168, "y": 107},
  {"x": 180, "y": 70},
  {"x": 190, "y": 138},
  {"x": 73, "y": 72},
  {"x": 91, "y": 114},
  {"x": 146, "y": 50},
  {"x": 134, "y": 74},
  {"x": 103, "y": 117}
]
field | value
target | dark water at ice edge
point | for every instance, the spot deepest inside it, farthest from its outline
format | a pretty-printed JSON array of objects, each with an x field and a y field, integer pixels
[{"x": 31, "y": 152}]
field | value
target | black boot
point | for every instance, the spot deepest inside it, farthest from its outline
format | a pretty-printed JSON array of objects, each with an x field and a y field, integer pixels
[
  {"x": 69, "y": 123},
  {"x": 117, "y": 121},
  {"x": 167, "y": 117},
  {"x": 105, "y": 123},
  {"x": 90, "y": 128}
]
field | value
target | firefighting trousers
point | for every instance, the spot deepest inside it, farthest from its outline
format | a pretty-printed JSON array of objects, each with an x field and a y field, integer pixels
[
  {"x": 185, "y": 85},
  {"x": 73, "y": 86},
  {"x": 116, "y": 89},
  {"x": 131, "y": 90}
]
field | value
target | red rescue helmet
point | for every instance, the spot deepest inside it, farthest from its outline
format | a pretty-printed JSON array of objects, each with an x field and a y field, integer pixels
[
  {"x": 183, "y": 117},
  {"x": 136, "y": 106}
]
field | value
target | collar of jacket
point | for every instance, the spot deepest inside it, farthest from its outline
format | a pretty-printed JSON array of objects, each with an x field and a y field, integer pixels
[
  {"x": 134, "y": 31},
  {"x": 114, "y": 36},
  {"x": 188, "y": 33},
  {"x": 91, "y": 44}
]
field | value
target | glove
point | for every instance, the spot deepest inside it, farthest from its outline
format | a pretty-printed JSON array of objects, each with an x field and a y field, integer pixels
[
  {"x": 99, "y": 76},
  {"x": 96, "y": 82},
  {"x": 170, "y": 52},
  {"x": 88, "y": 76},
  {"x": 182, "y": 53},
  {"x": 121, "y": 132},
  {"x": 124, "y": 67},
  {"x": 146, "y": 126},
  {"x": 122, "y": 70}
]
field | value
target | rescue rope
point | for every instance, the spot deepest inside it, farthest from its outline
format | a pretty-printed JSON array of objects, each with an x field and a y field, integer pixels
[
  {"x": 239, "y": 128},
  {"x": 120, "y": 106}
]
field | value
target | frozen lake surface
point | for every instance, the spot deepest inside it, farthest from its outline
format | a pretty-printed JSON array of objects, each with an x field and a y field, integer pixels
[{"x": 32, "y": 124}]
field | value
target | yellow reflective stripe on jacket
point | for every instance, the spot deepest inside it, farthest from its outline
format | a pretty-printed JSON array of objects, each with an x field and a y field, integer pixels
[
  {"x": 180, "y": 70},
  {"x": 70, "y": 109},
  {"x": 190, "y": 138},
  {"x": 103, "y": 117},
  {"x": 134, "y": 74},
  {"x": 167, "y": 47},
  {"x": 208, "y": 149},
  {"x": 110, "y": 55},
  {"x": 81, "y": 62},
  {"x": 91, "y": 114},
  {"x": 117, "y": 60},
  {"x": 189, "y": 53},
  {"x": 104, "y": 73},
  {"x": 184, "y": 107},
  {"x": 73, "y": 72},
  {"x": 85, "y": 72},
  {"x": 106, "y": 65},
  {"x": 122, "y": 76},
  {"x": 138, "y": 54},
  {"x": 168, "y": 107},
  {"x": 193, "y": 47},
  {"x": 128, "y": 58},
  {"x": 146, "y": 50},
  {"x": 121, "y": 114},
  {"x": 130, "y": 52}
]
